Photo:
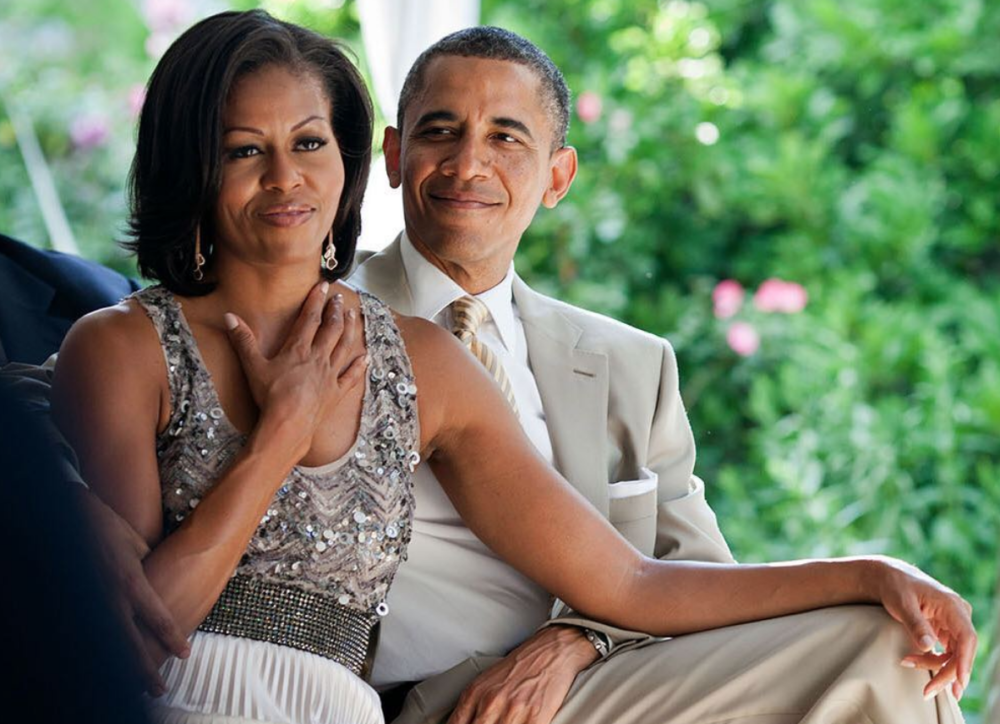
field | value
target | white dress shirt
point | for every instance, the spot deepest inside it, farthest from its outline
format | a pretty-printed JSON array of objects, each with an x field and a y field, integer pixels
[{"x": 453, "y": 597}]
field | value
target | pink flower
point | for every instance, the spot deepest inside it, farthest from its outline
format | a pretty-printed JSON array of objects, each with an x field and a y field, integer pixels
[
  {"x": 742, "y": 338},
  {"x": 588, "y": 106},
  {"x": 136, "y": 97},
  {"x": 777, "y": 295},
  {"x": 88, "y": 132},
  {"x": 727, "y": 298}
]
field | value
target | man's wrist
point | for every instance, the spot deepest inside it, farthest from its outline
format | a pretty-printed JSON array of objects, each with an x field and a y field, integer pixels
[{"x": 599, "y": 640}]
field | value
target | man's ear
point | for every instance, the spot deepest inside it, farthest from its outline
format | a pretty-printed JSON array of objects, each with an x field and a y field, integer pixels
[
  {"x": 563, "y": 171},
  {"x": 390, "y": 149}
]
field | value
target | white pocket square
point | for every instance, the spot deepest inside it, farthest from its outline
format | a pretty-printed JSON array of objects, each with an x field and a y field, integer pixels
[{"x": 648, "y": 480}]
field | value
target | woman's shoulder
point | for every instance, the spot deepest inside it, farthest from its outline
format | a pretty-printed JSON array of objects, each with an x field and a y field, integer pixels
[
  {"x": 424, "y": 338},
  {"x": 122, "y": 329}
]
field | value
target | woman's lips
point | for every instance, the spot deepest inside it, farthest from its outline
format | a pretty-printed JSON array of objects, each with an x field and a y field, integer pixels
[{"x": 285, "y": 216}]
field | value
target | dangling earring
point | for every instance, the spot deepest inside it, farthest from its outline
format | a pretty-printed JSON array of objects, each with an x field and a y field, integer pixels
[
  {"x": 199, "y": 259},
  {"x": 329, "y": 253}
]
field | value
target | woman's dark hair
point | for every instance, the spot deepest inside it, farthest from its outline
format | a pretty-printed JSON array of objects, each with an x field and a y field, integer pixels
[{"x": 176, "y": 173}]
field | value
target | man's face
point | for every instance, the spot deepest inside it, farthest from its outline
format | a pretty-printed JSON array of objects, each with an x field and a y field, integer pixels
[{"x": 475, "y": 160}]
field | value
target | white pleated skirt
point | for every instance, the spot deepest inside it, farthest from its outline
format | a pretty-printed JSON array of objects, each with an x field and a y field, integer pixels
[{"x": 231, "y": 680}]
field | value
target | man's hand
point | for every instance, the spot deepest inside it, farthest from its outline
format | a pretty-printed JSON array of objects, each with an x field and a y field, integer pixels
[
  {"x": 531, "y": 683},
  {"x": 120, "y": 553},
  {"x": 933, "y": 615}
]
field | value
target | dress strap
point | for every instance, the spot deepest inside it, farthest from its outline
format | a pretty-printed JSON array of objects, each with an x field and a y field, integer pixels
[{"x": 187, "y": 375}]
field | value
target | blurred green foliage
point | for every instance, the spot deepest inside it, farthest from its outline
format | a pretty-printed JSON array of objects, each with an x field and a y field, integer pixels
[{"x": 850, "y": 146}]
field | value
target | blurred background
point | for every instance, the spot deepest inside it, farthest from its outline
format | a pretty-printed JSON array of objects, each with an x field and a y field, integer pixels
[{"x": 802, "y": 195}]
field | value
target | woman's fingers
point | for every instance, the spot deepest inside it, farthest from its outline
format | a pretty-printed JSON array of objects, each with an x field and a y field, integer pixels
[
  {"x": 964, "y": 643},
  {"x": 245, "y": 343},
  {"x": 332, "y": 329},
  {"x": 354, "y": 373},
  {"x": 347, "y": 347},
  {"x": 150, "y": 671},
  {"x": 947, "y": 675},
  {"x": 927, "y": 662},
  {"x": 309, "y": 321},
  {"x": 916, "y": 625}
]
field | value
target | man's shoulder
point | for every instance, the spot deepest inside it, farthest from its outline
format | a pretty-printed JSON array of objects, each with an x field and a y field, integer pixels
[{"x": 599, "y": 330}]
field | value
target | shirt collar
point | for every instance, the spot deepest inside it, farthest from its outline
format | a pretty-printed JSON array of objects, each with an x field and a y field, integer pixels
[{"x": 433, "y": 291}]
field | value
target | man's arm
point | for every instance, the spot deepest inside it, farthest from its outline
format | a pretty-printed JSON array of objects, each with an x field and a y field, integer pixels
[
  {"x": 32, "y": 384},
  {"x": 120, "y": 549}
]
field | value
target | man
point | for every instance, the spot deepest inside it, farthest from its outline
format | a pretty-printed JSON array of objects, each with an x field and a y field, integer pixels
[
  {"x": 41, "y": 294},
  {"x": 479, "y": 145},
  {"x": 57, "y": 620}
]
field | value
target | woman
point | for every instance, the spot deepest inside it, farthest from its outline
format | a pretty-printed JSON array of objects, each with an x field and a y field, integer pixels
[{"x": 239, "y": 414}]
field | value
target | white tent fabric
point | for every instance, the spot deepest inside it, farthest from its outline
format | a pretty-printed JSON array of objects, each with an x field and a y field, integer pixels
[{"x": 394, "y": 33}]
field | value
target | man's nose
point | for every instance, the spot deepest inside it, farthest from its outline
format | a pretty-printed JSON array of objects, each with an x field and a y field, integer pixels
[
  {"x": 470, "y": 158},
  {"x": 282, "y": 173}
]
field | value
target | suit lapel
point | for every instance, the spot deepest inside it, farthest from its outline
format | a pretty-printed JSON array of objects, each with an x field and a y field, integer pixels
[{"x": 573, "y": 384}]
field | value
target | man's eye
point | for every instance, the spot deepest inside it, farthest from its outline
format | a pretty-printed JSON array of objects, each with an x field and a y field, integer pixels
[
  {"x": 506, "y": 138},
  {"x": 312, "y": 144},
  {"x": 437, "y": 131},
  {"x": 243, "y": 152}
]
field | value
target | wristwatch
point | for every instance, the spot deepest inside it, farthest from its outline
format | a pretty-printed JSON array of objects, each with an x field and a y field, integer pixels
[{"x": 600, "y": 641}]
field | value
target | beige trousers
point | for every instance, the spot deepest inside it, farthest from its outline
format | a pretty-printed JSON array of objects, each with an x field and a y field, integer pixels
[{"x": 832, "y": 666}]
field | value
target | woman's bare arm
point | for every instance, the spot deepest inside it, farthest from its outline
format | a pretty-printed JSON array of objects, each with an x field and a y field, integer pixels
[{"x": 519, "y": 506}]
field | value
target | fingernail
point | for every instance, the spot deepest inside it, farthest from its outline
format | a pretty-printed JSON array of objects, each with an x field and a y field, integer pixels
[
  {"x": 959, "y": 690},
  {"x": 930, "y": 694},
  {"x": 351, "y": 314},
  {"x": 231, "y": 321},
  {"x": 927, "y": 642},
  {"x": 907, "y": 664},
  {"x": 368, "y": 359},
  {"x": 325, "y": 286},
  {"x": 339, "y": 297}
]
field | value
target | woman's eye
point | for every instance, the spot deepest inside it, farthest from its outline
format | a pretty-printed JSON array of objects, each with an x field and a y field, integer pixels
[
  {"x": 243, "y": 152},
  {"x": 312, "y": 144}
]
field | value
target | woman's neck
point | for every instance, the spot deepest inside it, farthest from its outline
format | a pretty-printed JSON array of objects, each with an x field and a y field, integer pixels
[{"x": 267, "y": 298}]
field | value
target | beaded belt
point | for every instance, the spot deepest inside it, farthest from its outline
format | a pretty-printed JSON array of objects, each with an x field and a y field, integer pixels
[{"x": 286, "y": 616}]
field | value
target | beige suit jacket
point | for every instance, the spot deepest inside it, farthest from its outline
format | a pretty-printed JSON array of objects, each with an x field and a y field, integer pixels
[{"x": 612, "y": 405}]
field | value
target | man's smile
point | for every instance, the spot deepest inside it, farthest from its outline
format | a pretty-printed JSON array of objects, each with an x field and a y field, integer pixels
[{"x": 462, "y": 200}]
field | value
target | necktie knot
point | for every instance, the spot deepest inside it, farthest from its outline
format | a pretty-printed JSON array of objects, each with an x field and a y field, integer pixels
[{"x": 468, "y": 314}]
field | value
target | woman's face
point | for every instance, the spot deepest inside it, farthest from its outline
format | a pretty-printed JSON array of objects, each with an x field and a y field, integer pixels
[{"x": 282, "y": 174}]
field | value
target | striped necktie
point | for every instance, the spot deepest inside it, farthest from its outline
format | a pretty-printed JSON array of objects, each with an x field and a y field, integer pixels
[{"x": 467, "y": 314}]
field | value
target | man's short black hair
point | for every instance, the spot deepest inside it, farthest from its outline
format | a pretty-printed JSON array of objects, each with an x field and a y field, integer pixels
[
  {"x": 176, "y": 173},
  {"x": 494, "y": 43}
]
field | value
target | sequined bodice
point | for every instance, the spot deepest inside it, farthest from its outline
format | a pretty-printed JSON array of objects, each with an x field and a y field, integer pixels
[{"x": 336, "y": 531}]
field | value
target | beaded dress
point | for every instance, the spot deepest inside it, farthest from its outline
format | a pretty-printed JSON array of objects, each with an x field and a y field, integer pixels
[{"x": 294, "y": 630}]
